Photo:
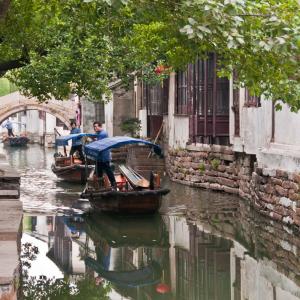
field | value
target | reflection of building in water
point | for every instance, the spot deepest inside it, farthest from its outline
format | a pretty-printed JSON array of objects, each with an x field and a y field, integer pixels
[
  {"x": 39, "y": 226},
  {"x": 200, "y": 262},
  {"x": 68, "y": 245},
  {"x": 264, "y": 261},
  {"x": 65, "y": 243},
  {"x": 218, "y": 252}
]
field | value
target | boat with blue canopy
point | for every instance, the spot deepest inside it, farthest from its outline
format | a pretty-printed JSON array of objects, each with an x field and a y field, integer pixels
[
  {"x": 134, "y": 194},
  {"x": 95, "y": 149},
  {"x": 69, "y": 168}
]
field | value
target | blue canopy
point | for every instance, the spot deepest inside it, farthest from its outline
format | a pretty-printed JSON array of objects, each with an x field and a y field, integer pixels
[
  {"x": 95, "y": 149},
  {"x": 145, "y": 276},
  {"x": 63, "y": 140}
]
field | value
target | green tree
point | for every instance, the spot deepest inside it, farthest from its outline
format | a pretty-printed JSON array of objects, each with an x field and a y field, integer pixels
[{"x": 58, "y": 47}]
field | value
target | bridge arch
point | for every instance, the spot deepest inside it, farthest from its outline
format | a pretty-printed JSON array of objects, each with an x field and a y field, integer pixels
[{"x": 15, "y": 102}]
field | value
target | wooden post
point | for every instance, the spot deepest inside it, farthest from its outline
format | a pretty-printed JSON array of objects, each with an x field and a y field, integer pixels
[{"x": 156, "y": 138}]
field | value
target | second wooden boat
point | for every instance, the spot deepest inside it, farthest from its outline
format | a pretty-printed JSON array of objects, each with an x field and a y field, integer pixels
[
  {"x": 71, "y": 170},
  {"x": 68, "y": 168}
]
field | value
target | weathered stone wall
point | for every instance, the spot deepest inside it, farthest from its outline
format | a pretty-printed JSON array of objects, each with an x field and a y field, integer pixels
[
  {"x": 274, "y": 193},
  {"x": 212, "y": 167}
]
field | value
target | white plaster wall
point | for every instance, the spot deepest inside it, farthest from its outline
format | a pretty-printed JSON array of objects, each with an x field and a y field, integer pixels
[
  {"x": 109, "y": 110},
  {"x": 177, "y": 126},
  {"x": 256, "y": 132},
  {"x": 287, "y": 126},
  {"x": 180, "y": 132},
  {"x": 143, "y": 118},
  {"x": 255, "y": 126},
  {"x": 33, "y": 121},
  {"x": 50, "y": 123}
]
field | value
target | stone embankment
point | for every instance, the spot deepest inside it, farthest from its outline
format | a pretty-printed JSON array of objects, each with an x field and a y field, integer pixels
[
  {"x": 10, "y": 230},
  {"x": 274, "y": 193}
]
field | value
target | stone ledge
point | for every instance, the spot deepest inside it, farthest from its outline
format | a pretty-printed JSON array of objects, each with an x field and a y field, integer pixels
[
  {"x": 210, "y": 148},
  {"x": 9, "y": 194},
  {"x": 9, "y": 261},
  {"x": 10, "y": 218}
]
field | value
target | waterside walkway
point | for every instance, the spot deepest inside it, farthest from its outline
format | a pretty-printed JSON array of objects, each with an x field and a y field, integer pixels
[{"x": 10, "y": 230}]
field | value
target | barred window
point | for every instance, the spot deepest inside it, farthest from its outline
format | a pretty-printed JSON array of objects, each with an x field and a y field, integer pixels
[
  {"x": 99, "y": 112},
  {"x": 155, "y": 97},
  {"x": 181, "y": 106},
  {"x": 251, "y": 101}
]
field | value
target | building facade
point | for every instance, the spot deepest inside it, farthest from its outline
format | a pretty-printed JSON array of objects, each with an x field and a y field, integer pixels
[{"x": 221, "y": 138}]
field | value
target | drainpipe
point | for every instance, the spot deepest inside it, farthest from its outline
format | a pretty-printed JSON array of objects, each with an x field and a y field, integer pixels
[{"x": 45, "y": 127}]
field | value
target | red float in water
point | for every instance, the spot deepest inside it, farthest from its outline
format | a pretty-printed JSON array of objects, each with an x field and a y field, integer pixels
[{"x": 162, "y": 288}]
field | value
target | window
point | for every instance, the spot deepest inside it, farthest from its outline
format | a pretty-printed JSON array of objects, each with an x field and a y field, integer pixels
[
  {"x": 206, "y": 101},
  {"x": 251, "y": 101},
  {"x": 181, "y": 107},
  {"x": 99, "y": 112},
  {"x": 60, "y": 123},
  {"x": 42, "y": 115},
  {"x": 155, "y": 97}
]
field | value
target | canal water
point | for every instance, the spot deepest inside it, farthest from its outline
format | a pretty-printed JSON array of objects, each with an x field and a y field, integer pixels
[{"x": 203, "y": 245}]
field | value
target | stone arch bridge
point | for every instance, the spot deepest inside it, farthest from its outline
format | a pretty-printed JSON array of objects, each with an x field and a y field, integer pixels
[{"x": 15, "y": 102}]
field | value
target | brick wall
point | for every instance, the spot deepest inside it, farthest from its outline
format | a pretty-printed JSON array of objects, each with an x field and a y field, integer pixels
[{"x": 274, "y": 193}]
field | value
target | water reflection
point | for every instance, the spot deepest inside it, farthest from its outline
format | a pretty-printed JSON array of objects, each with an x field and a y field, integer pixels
[
  {"x": 41, "y": 190},
  {"x": 172, "y": 257},
  {"x": 204, "y": 246}
]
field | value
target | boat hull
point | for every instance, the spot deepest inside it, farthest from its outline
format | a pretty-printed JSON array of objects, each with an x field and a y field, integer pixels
[
  {"x": 74, "y": 173},
  {"x": 131, "y": 202},
  {"x": 16, "y": 141}
]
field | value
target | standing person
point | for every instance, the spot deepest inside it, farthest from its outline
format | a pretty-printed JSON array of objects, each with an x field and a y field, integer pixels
[
  {"x": 104, "y": 163},
  {"x": 8, "y": 125},
  {"x": 76, "y": 144}
]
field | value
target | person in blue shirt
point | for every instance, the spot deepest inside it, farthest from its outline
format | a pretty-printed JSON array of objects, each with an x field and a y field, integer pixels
[
  {"x": 76, "y": 144},
  {"x": 9, "y": 126},
  {"x": 104, "y": 163}
]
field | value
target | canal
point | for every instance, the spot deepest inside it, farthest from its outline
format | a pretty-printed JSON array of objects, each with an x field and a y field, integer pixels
[{"x": 203, "y": 245}]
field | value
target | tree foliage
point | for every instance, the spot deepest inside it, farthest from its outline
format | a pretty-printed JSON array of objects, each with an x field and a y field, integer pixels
[
  {"x": 44, "y": 288},
  {"x": 80, "y": 45}
]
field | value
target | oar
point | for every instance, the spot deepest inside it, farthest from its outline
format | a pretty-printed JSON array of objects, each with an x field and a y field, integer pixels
[{"x": 65, "y": 149}]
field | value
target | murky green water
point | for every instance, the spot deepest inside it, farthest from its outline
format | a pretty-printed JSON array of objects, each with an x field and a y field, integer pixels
[{"x": 203, "y": 246}]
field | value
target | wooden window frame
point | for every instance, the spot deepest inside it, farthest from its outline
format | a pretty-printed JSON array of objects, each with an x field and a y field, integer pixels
[
  {"x": 156, "y": 98},
  {"x": 181, "y": 103}
]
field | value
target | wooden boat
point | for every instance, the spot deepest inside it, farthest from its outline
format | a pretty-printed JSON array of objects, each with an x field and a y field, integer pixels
[
  {"x": 131, "y": 202},
  {"x": 16, "y": 141},
  {"x": 135, "y": 195},
  {"x": 71, "y": 170},
  {"x": 67, "y": 168}
]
